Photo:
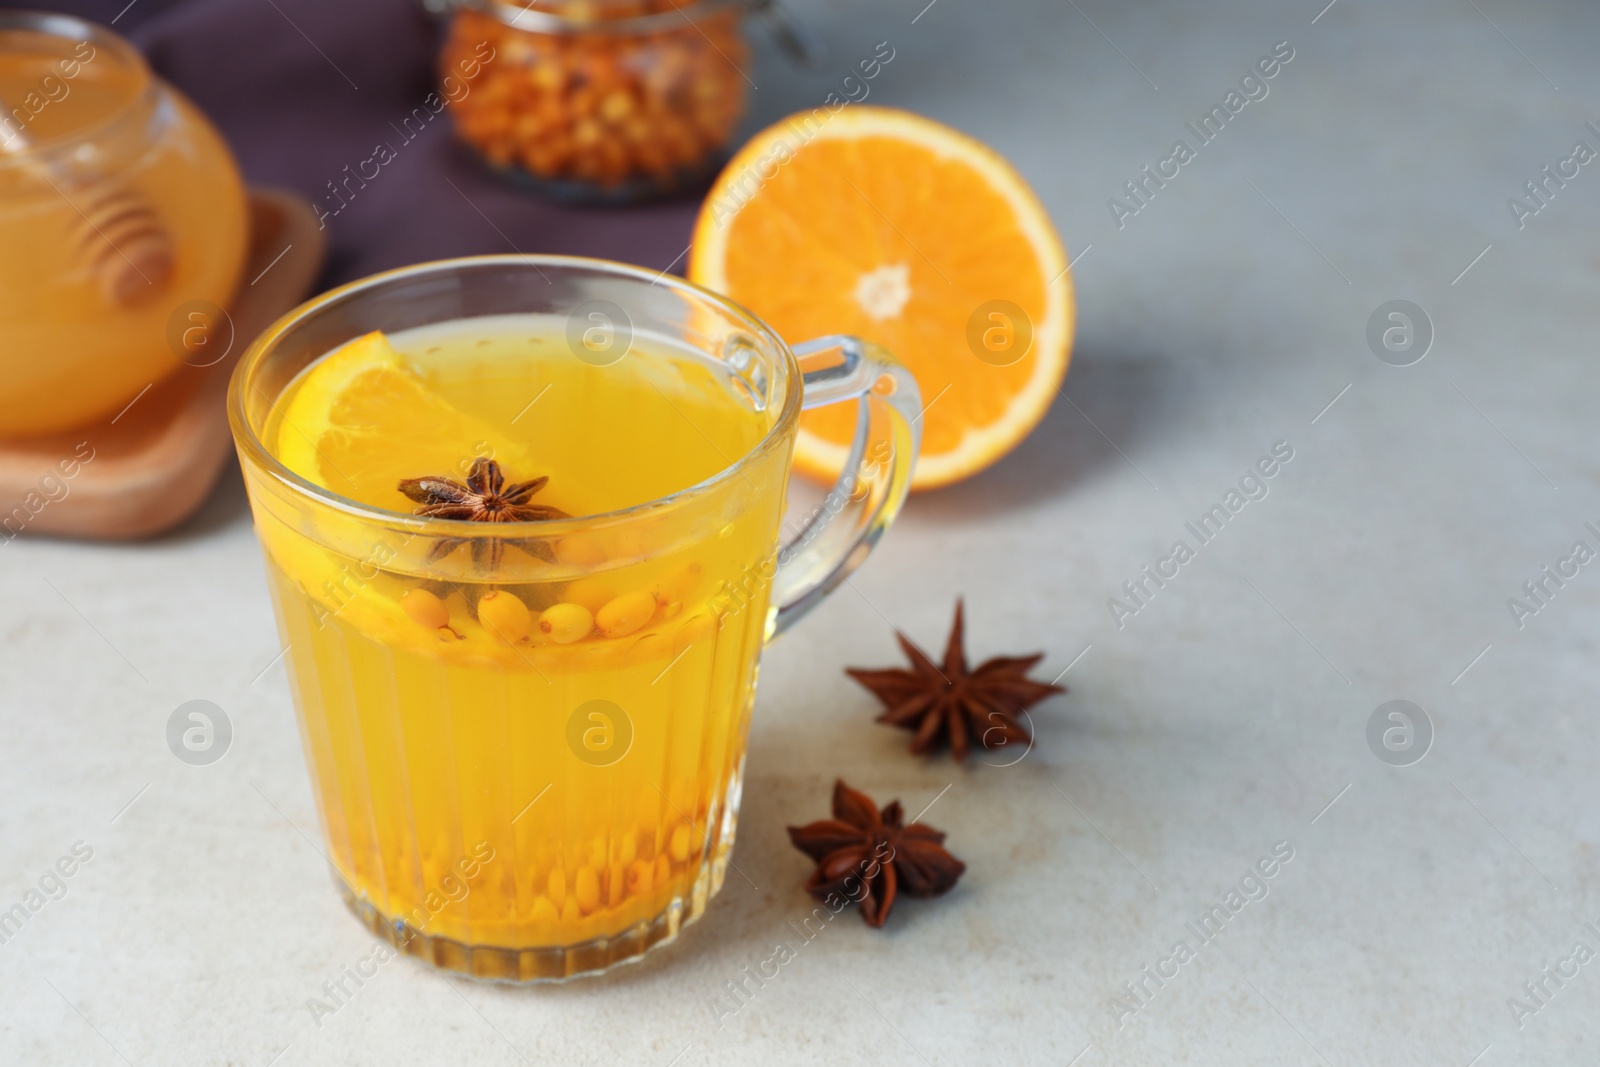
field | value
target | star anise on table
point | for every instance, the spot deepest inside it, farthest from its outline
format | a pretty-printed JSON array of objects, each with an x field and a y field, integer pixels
[
  {"x": 954, "y": 705},
  {"x": 484, "y": 498},
  {"x": 867, "y": 856}
]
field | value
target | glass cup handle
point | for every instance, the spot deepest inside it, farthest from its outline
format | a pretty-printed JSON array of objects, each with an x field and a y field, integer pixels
[{"x": 839, "y": 532}]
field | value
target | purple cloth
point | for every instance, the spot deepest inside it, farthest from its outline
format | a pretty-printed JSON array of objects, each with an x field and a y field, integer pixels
[{"x": 304, "y": 88}]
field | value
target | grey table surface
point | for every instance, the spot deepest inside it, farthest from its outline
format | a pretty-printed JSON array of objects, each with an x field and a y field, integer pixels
[{"x": 1227, "y": 716}]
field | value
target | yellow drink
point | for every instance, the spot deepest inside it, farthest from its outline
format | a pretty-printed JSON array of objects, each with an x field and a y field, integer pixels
[
  {"x": 584, "y": 784},
  {"x": 524, "y": 706}
]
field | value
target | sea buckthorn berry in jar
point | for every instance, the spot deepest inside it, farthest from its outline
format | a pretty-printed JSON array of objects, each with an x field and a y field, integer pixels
[{"x": 600, "y": 100}]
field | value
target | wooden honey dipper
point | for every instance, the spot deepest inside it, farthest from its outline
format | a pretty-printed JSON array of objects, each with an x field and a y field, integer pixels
[
  {"x": 119, "y": 236},
  {"x": 124, "y": 243}
]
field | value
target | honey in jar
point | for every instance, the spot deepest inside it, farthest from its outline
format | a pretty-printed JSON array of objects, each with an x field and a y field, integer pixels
[{"x": 119, "y": 204}]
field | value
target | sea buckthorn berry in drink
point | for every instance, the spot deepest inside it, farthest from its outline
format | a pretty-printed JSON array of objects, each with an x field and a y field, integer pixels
[
  {"x": 697, "y": 627},
  {"x": 587, "y": 889},
  {"x": 580, "y": 552},
  {"x": 592, "y": 593},
  {"x": 616, "y": 883},
  {"x": 505, "y": 616},
  {"x": 677, "y": 587},
  {"x": 625, "y": 614},
  {"x": 427, "y": 609},
  {"x": 566, "y": 623},
  {"x": 640, "y": 875}
]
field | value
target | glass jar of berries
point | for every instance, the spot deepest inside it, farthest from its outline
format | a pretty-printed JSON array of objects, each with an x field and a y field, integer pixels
[{"x": 598, "y": 100}]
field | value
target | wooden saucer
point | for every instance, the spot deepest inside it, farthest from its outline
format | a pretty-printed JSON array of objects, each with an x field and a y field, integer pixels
[{"x": 156, "y": 462}]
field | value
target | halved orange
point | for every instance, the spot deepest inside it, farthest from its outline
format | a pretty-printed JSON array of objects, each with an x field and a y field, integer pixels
[{"x": 880, "y": 223}]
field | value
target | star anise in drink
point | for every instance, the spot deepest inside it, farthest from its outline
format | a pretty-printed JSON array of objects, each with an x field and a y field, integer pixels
[
  {"x": 484, "y": 498},
  {"x": 952, "y": 704},
  {"x": 868, "y": 856}
]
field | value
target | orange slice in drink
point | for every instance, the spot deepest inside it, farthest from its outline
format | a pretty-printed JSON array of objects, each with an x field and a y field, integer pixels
[
  {"x": 361, "y": 419},
  {"x": 879, "y": 223}
]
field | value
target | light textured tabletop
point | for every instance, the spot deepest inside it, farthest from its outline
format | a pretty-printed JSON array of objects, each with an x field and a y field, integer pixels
[{"x": 1218, "y": 716}]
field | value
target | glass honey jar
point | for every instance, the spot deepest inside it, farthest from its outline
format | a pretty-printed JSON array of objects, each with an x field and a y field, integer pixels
[
  {"x": 119, "y": 203},
  {"x": 598, "y": 100}
]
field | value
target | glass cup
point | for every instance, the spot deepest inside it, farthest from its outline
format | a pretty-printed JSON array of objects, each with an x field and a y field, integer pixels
[{"x": 494, "y": 800}]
